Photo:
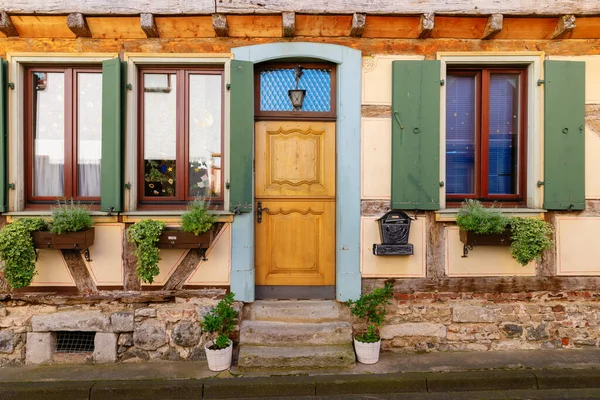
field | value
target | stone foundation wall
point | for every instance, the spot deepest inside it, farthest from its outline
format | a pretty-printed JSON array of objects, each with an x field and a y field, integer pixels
[
  {"x": 424, "y": 322},
  {"x": 125, "y": 332}
]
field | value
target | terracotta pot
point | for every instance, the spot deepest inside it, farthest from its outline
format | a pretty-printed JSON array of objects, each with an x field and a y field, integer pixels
[
  {"x": 367, "y": 353},
  {"x": 218, "y": 360}
]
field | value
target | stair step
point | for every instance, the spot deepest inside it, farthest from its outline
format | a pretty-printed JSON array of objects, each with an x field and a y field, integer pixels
[
  {"x": 295, "y": 334},
  {"x": 296, "y": 311},
  {"x": 305, "y": 357}
]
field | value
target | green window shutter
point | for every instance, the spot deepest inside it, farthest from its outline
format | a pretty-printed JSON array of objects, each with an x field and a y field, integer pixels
[
  {"x": 3, "y": 136},
  {"x": 415, "y": 135},
  {"x": 113, "y": 105},
  {"x": 241, "y": 136},
  {"x": 564, "y": 135}
]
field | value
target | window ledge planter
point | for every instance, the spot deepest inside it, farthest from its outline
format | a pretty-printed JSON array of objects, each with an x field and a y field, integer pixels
[
  {"x": 81, "y": 240},
  {"x": 486, "y": 239},
  {"x": 174, "y": 238}
]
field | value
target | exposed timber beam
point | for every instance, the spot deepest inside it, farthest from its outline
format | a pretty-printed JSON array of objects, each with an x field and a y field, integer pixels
[
  {"x": 493, "y": 26},
  {"x": 77, "y": 25},
  {"x": 381, "y": 7},
  {"x": 358, "y": 24},
  {"x": 6, "y": 25},
  {"x": 149, "y": 25},
  {"x": 219, "y": 22},
  {"x": 289, "y": 23},
  {"x": 426, "y": 25},
  {"x": 565, "y": 24}
]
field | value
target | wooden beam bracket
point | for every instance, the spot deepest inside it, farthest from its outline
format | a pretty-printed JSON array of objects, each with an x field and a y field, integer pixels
[
  {"x": 220, "y": 26},
  {"x": 77, "y": 24},
  {"x": 148, "y": 25},
  {"x": 493, "y": 26},
  {"x": 358, "y": 24},
  {"x": 289, "y": 23},
  {"x": 426, "y": 25},
  {"x": 6, "y": 25},
  {"x": 565, "y": 24}
]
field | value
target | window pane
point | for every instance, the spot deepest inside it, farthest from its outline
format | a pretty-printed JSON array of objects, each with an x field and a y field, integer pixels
[
  {"x": 205, "y": 135},
  {"x": 48, "y": 133},
  {"x": 460, "y": 134},
  {"x": 275, "y": 83},
  {"x": 160, "y": 134},
  {"x": 503, "y": 134},
  {"x": 89, "y": 133}
]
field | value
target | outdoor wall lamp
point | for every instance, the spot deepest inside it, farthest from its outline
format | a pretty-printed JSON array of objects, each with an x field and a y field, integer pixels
[{"x": 297, "y": 95}]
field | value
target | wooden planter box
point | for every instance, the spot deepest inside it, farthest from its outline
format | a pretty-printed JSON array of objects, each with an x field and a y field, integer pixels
[
  {"x": 66, "y": 241},
  {"x": 177, "y": 239},
  {"x": 486, "y": 239}
]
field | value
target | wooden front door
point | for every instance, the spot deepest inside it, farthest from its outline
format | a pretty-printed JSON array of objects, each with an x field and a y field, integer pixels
[{"x": 295, "y": 186}]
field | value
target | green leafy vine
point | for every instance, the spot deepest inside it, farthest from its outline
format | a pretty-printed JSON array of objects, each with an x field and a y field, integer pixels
[{"x": 145, "y": 234}]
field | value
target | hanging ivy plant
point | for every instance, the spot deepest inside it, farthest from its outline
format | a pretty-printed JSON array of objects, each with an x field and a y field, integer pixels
[
  {"x": 17, "y": 252},
  {"x": 531, "y": 236},
  {"x": 145, "y": 234}
]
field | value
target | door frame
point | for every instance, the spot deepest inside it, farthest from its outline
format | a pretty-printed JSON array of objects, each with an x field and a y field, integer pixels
[{"x": 348, "y": 169}]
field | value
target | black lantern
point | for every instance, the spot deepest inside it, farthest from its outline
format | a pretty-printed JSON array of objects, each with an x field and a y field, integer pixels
[
  {"x": 297, "y": 95},
  {"x": 394, "y": 228}
]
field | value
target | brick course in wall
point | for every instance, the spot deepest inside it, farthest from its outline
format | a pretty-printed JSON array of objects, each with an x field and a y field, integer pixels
[{"x": 423, "y": 322}]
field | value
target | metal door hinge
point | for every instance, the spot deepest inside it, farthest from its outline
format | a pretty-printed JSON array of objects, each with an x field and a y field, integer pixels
[
  {"x": 540, "y": 183},
  {"x": 540, "y": 82},
  {"x": 228, "y": 86},
  {"x": 11, "y": 186},
  {"x": 442, "y": 82}
]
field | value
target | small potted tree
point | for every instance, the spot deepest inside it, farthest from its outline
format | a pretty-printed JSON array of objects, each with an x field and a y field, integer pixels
[
  {"x": 371, "y": 308},
  {"x": 220, "y": 323}
]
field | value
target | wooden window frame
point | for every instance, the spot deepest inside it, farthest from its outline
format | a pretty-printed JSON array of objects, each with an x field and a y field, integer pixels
[
  {"x": 71, "y": 133},
  {"x": 182, "y": 197},
  {"x": 482, "y": 75},
  {"x": 330, "y": 115}
]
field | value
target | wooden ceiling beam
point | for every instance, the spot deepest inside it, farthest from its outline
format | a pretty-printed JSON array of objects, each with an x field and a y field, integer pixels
[
  {"x": 288, "y": 23},
  {"x": 493, "y": 26},
  {"x": 6, "y": 25},
  {"x": 77, "y": 24},
  {"x": 358, "y": 24},
  {"x": 148, "y": 25},
  {"x": 332, "y": 7},
  {"x": 220, "y": 26},
  {"x": 565, "y": 24},
  {"x": 426, "y": 25}
]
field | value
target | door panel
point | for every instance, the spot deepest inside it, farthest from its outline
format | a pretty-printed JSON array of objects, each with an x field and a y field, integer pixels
[
  {"x": 295, "y": 183},
  {"x": 295, "y": 159},
  {"x": 295, "y": 242}
]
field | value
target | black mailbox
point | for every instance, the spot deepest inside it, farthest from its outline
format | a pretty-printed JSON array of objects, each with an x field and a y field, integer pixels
[{"x": 394, "y": 228}]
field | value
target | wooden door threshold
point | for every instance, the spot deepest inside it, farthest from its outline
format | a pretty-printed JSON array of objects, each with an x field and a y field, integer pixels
[{"x": 264, "y": 292}]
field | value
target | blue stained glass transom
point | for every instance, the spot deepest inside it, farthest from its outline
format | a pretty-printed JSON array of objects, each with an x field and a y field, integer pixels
[{"x": 275, "y": 83}]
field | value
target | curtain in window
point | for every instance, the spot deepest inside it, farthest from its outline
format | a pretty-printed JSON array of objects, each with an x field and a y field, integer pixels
[{"x": 460, "y": 135}]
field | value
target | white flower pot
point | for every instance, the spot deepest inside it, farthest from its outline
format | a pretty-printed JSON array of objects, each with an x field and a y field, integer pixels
[
  {"x": 367, "y": 353},
  {"x": 218, "y": 360}
]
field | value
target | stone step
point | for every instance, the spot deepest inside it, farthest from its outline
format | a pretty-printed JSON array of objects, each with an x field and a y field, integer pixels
[
  {"x": 294, "y": 333},
  {"x": 305, "y": 357},
  {"x": 296, "y": 311}
]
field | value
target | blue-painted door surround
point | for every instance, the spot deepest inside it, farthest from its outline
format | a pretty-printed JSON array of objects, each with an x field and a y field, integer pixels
[{"x": 349, "y": 61}]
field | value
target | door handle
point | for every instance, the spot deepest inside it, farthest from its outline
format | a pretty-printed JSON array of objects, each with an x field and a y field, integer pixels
[{"x": 259, "y": 211}]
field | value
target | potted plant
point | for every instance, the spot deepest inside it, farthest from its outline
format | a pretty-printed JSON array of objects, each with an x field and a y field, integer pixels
[
  {"x": 196, "y": 229},
  {"x": 371, "y": 308},
  {"x": 220, "y": 323},
  {"x": 70, "y": 228},
  {"x": 17, "y": 251},
  {"x": 486, "y": 226},
  {"x": 145, "y": 235}
]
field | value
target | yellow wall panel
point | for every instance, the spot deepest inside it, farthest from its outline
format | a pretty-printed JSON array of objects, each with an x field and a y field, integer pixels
[
  {"x": 482, "y": 260},
  {"x": 377, "y": 78},
  {"x": 577, "y": 250},
  {"x": 215, "y": 270},
  {"x": 376, "y": 158},
  {"x": 592, "y": 76},
  {"x": 169, "y": 260},
  {"x": 106, "y": 267},
  {"x": 392, "y": 266},
  {"x": 592, "y": 164},
  {"x": 52, "y": 270}
]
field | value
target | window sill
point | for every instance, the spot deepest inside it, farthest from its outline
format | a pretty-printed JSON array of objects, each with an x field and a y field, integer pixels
[
  {"x": 98, "y": 216},
  {"x": 449, "y": 214},
  {"x": 171, "y": 216}
]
